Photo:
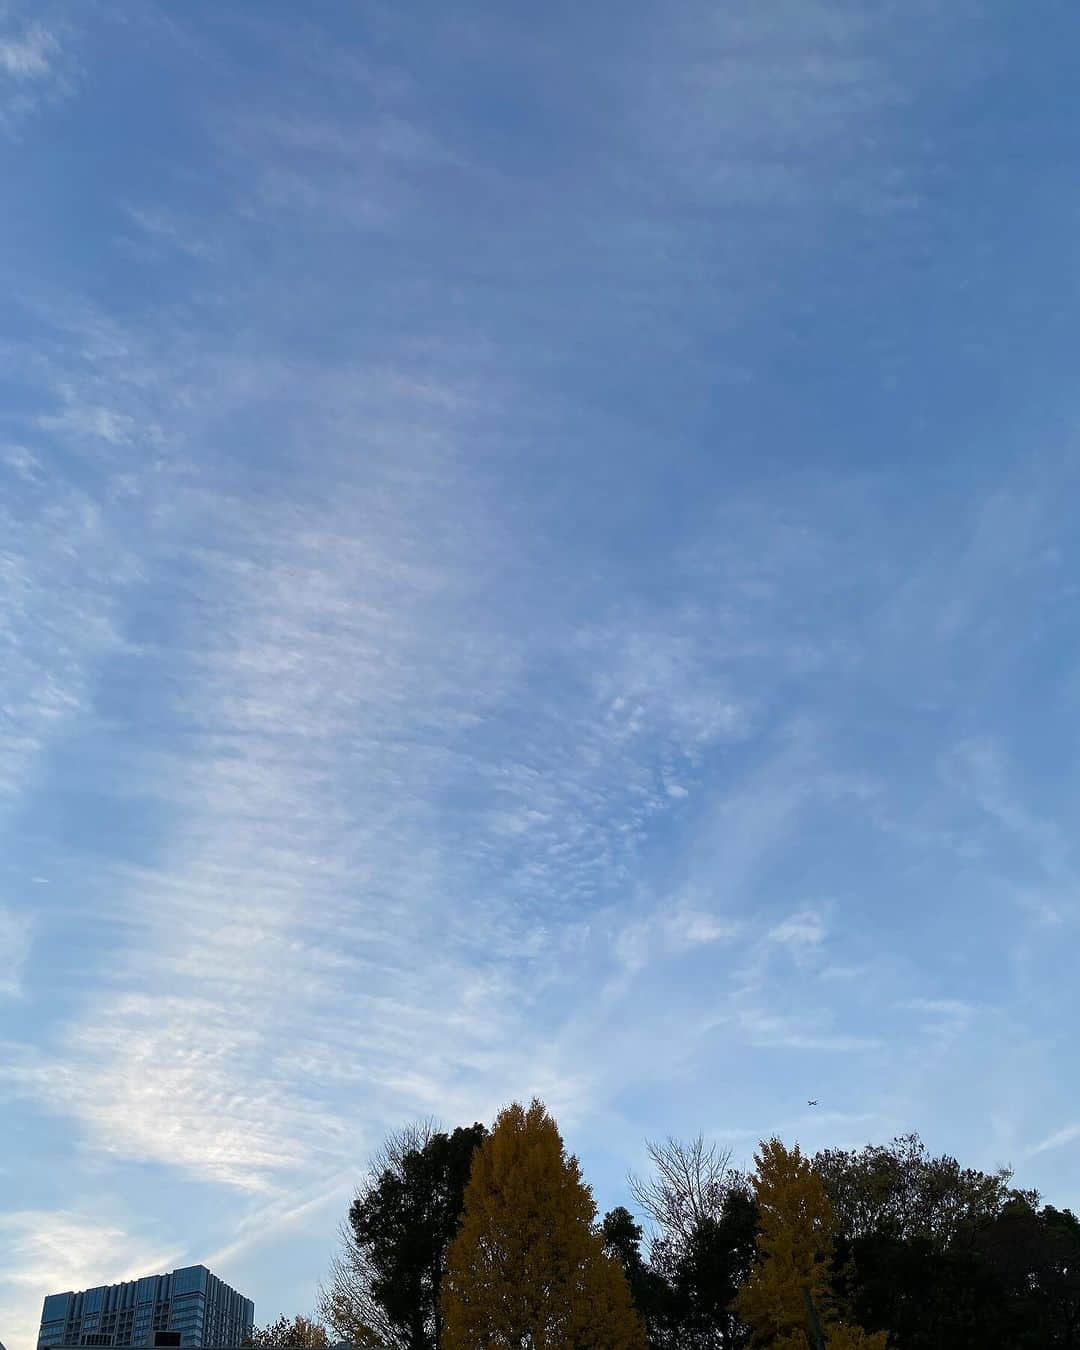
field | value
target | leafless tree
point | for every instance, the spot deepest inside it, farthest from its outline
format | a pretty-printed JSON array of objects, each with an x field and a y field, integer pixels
[
  {"x": 689, "y": 1184},
  {"x": 346, "y": 1303}
]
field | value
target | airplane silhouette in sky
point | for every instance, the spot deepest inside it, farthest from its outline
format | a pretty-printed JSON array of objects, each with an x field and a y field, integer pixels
[{"x": 810, "y": 1103}]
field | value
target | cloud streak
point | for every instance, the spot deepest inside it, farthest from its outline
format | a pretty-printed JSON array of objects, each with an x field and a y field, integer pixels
[
  {"x": 477, "y": 619},
  {"x": 30, "y": 56},
  {"x": 16, "y": 932},
  {"x": 37, "y": 63}
]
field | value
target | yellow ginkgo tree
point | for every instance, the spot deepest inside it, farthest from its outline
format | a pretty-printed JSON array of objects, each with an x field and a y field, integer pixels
[
  {"x": 527, "y": 1270},
  {"x": 787, "y": 1302}
]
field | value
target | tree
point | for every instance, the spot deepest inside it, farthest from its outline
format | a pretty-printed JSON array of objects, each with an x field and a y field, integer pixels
[
  {"x": 650, "y": 1293},
  {"x": 704, "y": 1223},
  {"x": 300, "y": 1331},
  {"x": 908, "y": 1255},
  {"x": 714, "y": 1263},
  {"x": 690, "y": 1182},
  {"x": 788, "y": 1293},
  {"x": 899, "y": 1191},
  {"x": 1034, "y": 1258},
  {"x": 385, "y": 1283},
  {"x": 528, "y": 1270},
  {"x": 922, "y": 1297}
]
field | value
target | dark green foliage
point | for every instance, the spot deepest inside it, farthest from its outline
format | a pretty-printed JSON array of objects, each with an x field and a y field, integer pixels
[
  {"x": 939, "y": 1256},
  {"x": 404, "y": 1225},
  {"x": 922, "y": 1295},
  {"x": 703, "y": 1246},
  {"x": 898, "y": 1190},
  {"x": 1034, "y": 1258},
  {"x": 706, "y": 1274},
  {"x": 683, "y": 1294},
  {"x": 648, "y": 1290},
  {"x": 950, "y": 1258}
]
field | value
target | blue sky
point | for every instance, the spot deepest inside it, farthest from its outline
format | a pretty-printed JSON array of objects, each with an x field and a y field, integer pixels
[{"x": 537, "y": 555}]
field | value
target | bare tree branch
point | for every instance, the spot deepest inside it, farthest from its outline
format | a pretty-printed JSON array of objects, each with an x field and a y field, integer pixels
[
  {"x": 689, "y": 1184},
  {"x": 346, "y": 1303}
]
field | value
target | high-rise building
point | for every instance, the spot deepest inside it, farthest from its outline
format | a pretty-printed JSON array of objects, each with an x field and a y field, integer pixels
[{"x": 188, "y": 1307}]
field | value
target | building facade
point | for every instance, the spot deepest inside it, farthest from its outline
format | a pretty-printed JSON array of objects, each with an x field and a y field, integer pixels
[{"x": 187, "y": 1307}]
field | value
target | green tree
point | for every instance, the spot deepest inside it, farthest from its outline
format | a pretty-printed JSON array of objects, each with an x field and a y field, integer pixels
[
  {"x": 384, "y": 1287},
  {"x": 908, "y": 1255},
  {"x": 704, "y": 1220},
  {"x": 899, "y": 1191},
  {"x": 297, "y": 1331},
  {"x": 711, "y": 1266},
  {"x": 527, "y": 1270},
  {"x": 1033, "y": 1258},
  {"x": 650, "y": 1293}
]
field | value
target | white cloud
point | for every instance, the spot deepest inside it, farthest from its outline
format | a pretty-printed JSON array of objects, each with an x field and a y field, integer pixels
[
  {"x": 49, "y": 1251},
  {"x": 753, "y": 108},
  {"x": 801, "y": 933},
  {"x": 816, "y": 1122},
  {"x": 60, "y": 570},
  {"x": 408, "y": 808},
  {"x": 1058, "y": 1139},
  {"x": 671, "y": 931},
  {"x": 286, "y": 1212},
  {"x": 22, "y": 462},
  {"x": 979, "y": 767},
  {"x": 30, "y": 56},
  {"x": 768, "y": 1030},
  {"x": 947, "y": 1020},
  {"x": 157, "y": 226},
  {"x": 178, "y": 1081},
  {"x": 941, "y": 1007},
  {"x": 346, "y": 678},
  {"x": 661, "y": 673},
  {"x": 692, "y": 927},
  {"x": 87, "y": 422},
  {"x": 15, "y": 935},
  {"x": 37, "y": 65}
]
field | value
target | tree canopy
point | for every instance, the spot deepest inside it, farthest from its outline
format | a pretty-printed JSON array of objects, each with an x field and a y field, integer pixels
[
  {"x": 297, "y": 1331},
  {"x": 703, "y": 1221},
  {"x": 787, "y": 1300},
  {"x": 937, "y": 1254},
  {"x": 384, "y": 1288},
  {"x": 528, "y": 1270},
  {"x": 466, "y": 1239}
]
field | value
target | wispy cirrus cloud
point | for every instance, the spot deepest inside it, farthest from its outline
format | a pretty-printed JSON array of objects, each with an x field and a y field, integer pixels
[
  {"x": 443, "y": 656},
  {"x": 16, "y": 933},
  {"x": 1067, "y": 1135},
  {"x": 671, "y": 930},
  {"x": 60, "y": 566},
  {"x": 801, "y": 933},
  {"x": 157, "y": 231},
  {"x": 29, "y": 56},
  {"x": 37, "y": 62},
  {"x": 767, "y": 1030},
  {"x": 326, "y": 637}
]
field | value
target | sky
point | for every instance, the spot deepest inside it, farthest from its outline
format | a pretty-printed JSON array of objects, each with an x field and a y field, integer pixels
[{"x": 537, "y": 556}]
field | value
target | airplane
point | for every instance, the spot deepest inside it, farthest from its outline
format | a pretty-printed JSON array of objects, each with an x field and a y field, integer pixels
[{"x": 809, "y": 1103}]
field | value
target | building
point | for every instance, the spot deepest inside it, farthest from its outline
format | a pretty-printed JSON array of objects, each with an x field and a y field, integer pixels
[{"x": 188, "y": 1307}]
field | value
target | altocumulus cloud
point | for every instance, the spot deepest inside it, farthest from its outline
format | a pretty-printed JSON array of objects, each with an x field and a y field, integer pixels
[{"x": 499, "y": 604}]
